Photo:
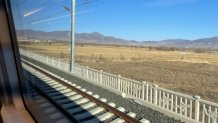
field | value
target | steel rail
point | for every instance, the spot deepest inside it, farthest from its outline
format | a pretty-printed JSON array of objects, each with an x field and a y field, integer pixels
[
  {"x": 69, "y": 116},
  {"x": 104, "y": 105}
]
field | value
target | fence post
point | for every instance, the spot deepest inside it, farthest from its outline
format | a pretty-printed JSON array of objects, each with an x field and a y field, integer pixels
[
  {"x": 155, "y": 93},
  {"x": 87, "y": 71},
  {"x": 143, "y": 90},
  {"x": 47, "y": 59},
  {"x": 53, "y": 61},
  {"x": 119, "y": 82},
  {"x": 147, "y": 87},
  {"x": 59, "y": 63},
  {"x": 75, "y": 68},
  {"x": 197, "y": 107},
  {"x": 100, "y": 77}
]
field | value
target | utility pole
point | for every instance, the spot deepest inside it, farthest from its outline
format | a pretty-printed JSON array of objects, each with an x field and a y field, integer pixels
[{"x": 72, "y": 50}]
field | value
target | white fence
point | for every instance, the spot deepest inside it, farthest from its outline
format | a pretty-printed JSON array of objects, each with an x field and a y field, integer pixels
[{"x": 185, "y": 107}]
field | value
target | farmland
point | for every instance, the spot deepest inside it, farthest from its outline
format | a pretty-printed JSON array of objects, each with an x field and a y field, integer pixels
[{"x": 182, "y": 71}]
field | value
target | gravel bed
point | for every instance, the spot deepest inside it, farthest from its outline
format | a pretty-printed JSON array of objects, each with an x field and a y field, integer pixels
[{"x": 129, "y": 105}]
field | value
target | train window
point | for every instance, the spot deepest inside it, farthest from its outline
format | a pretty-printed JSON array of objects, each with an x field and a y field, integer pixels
[
  {"x": 43, "y": 26},
  {"x": 160, "y": 53}
]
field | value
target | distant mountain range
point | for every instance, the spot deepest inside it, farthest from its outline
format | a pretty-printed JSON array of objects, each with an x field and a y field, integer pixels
[{"x": 97, "y": 38}]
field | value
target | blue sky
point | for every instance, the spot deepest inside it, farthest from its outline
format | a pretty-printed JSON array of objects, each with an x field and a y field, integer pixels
[{"x": 140, "y": 20}]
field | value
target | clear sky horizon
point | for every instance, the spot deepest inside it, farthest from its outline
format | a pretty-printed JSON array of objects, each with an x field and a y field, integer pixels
[{"x": 141, "y": 20}]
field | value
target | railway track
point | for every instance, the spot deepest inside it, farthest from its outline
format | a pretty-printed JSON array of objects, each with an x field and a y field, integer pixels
[{"x": 75, "y": 103}]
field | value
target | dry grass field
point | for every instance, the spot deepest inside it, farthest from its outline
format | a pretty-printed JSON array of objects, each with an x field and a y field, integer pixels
[{"x": 186, "y": 72}]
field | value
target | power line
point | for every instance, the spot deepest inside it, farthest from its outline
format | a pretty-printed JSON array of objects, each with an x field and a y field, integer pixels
[
  {"x": 50, "y": 19},
  {"x": 59, "y": 3},
  {"x": 64, "y": 6},
  {"x": 49, "y": 16},
  {"x": 42, "y": 18},
  {"x": 54, "y": 14},
  {"x": 67, "y": 8},
  {"x": 87, "y": 2}
]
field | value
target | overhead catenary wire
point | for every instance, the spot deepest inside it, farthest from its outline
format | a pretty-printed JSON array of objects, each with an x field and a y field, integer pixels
[
  {"x": 82, "y": 4},
  {"x": 64, "y": 6},
  {"x": 48, "y": 17},
  {"x": 86, "y": 2},
  {"x": 43, "y": 18},
  {"x": 51, "y": 19},
  {"x": 66, "y": 9},
  {"x": 54, "y": 15}
]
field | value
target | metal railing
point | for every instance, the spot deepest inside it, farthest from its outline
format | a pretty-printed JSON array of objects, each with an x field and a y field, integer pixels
[{"x": 185, "y": 107}]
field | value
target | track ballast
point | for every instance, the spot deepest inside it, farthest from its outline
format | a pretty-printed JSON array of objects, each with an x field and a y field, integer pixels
[{"x": 74, "y": 102}]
